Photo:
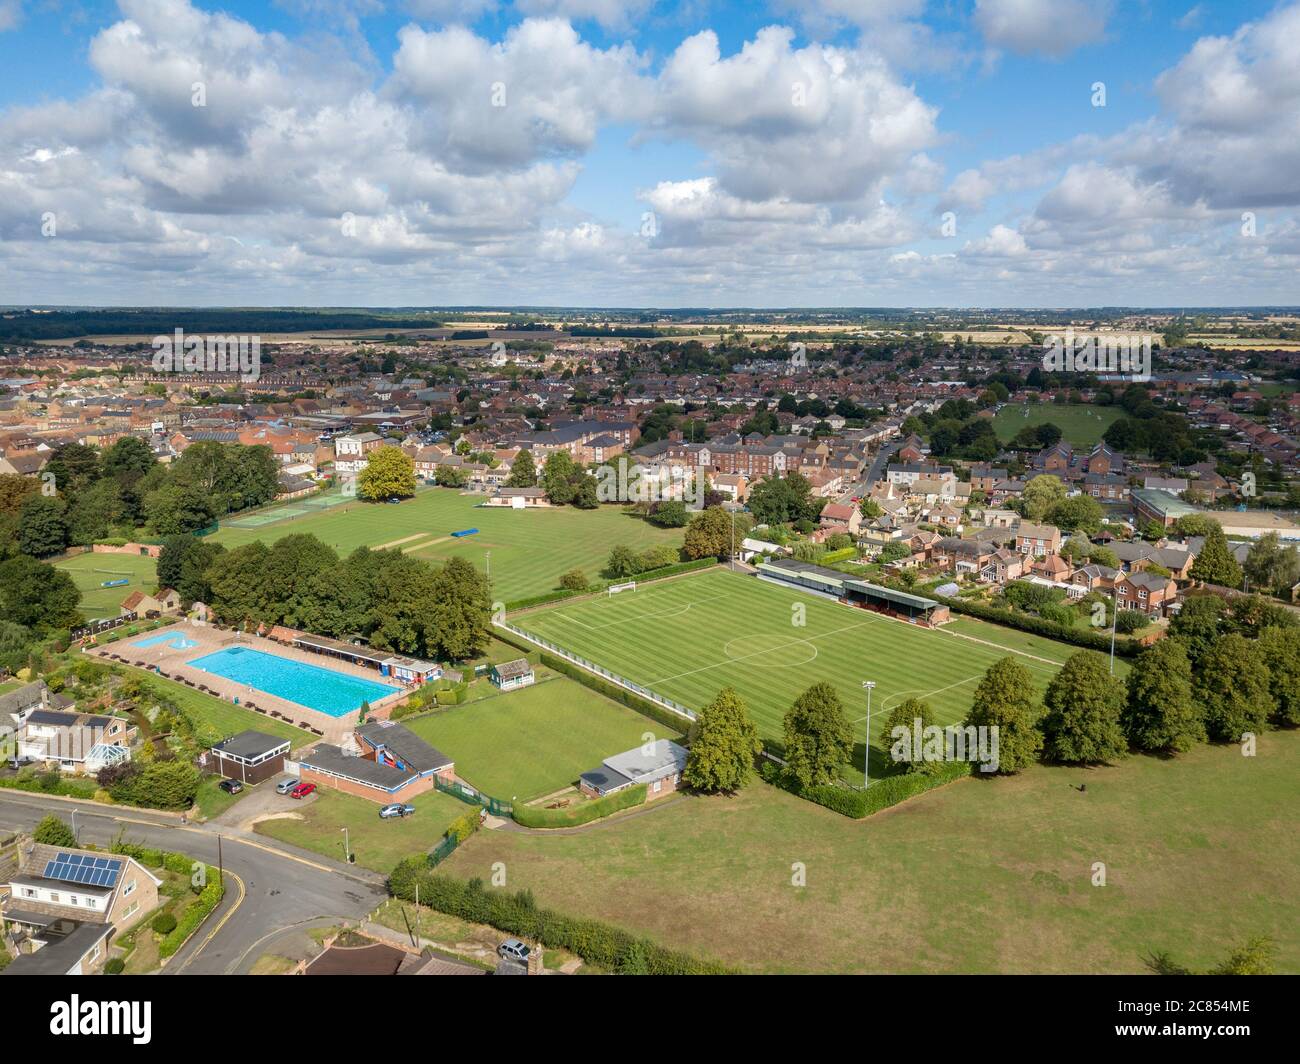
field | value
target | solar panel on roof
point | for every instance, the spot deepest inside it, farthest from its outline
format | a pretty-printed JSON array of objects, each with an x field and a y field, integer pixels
[{"x": 80, "y": 868}]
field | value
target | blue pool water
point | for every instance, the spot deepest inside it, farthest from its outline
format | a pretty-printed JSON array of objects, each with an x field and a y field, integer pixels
[
  {"x": 175, "y": 640},
  {"x": 324, "y": 690}
]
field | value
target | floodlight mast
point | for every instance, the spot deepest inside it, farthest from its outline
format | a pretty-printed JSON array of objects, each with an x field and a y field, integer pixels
[{"x": 869, "y": 686}]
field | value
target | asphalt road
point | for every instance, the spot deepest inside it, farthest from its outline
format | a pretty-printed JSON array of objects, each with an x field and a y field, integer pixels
[{"x": 270, "y": 890}]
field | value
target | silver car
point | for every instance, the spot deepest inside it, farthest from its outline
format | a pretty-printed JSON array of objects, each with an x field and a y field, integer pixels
[
  {"x": 286, "y": 785},
  {"x": 513, "y": 949},
  {"x": 397, "y": 810}
]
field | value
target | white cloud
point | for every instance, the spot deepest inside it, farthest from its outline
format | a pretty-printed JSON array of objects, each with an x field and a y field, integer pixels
[
  {"x": 11, "y": 13},
  {"x": 1046, "y": 27}
]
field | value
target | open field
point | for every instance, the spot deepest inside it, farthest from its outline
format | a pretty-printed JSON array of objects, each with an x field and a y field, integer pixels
[
  {"x": 686, "y": 638},
  {"x": 979, "y": 876},
  {"x": 89, "y": 570},
  {"x": 378, "y": 844},
  {"x": 1080, "y": 425},
  {"x": 532, "y": 742},
  {"x": 530, "y": 549}
]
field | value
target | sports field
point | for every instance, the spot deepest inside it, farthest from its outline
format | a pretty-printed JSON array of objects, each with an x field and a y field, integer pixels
[
  {"x": 1081, "y": 425},
  {"x": 688, "y": 637},
  {"x": 528, "y": 743},
  {"x": 90, "y": 570},
  {"x": 530, "y": 549}
]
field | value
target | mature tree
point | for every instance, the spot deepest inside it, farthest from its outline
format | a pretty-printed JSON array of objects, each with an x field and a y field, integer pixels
[
  {"x": 43, "y": 526},
  {"x": 128, "y": 459},
  {"x": 710, "y": 533},
  {"x": 905, "y": 715},
  {"x": 1215, "y": 564},
  {"x": 1249, "y": 615},
  {"x": 16, "y": 490},
  {"x": 1161, "y": 713},
  {"x": 287, "y": 573},
  {"x": 238, "y": 588},
  {"x": 74, "y": 467},
  {"x": 1083, "y": 703},
  {"x": 94, "y": 511},
  {"x": 724, "y": 743},
  {"x": 1081, "y": 512},
  {"x": 818, "y": 739},
  {"x": 389, "y": 473},
  {"x": 16, "y": 641},
  {"x": 585, "y": 492},
  {"x": 1005, "y": 700},
  {"x": 177, "y": 508},
  {"x": 776, "y": 500},
  {"x": 1280, "y": 648},
  {"x": 1198, "y": 624},
  {"x": 575, "y": 580},
  {"x": 449, "y": 476},
  {"x": 37, "y": 596},
  {"x": 1272, "y": 565},
  {"x": 1232, "y": 683},
  {"x": 557, "y": 478},
  {"x": 1041, "y": 494},
  {"x": 523, "y": 472},
  {"x": 461, "y": 611},
  {"x": 658, "y": 557},
  {"x": 193, "y": 586},
  {"x": 623, "y": 562},
  {"x": 51, "y": 831}
]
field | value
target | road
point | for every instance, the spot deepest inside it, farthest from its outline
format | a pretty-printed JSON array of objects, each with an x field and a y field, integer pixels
[
  {"x": 875, "y": 472},
  {"x": 271, "y": 889}
]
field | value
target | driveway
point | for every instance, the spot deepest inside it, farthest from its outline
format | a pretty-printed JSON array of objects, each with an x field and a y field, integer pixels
[{"x": 259, "y": 803}]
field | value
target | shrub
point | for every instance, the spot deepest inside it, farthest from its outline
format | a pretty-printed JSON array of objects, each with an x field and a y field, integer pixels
[
  {"x": 52, "y": 831},
  {"x": 463, "y": 826},
  {"x": 114, "y": 966},
  {"x": 583, "y": 812},
  {"x": 163, "y": 923},
  {"x": 209, "y": 898},
  {"x": 880, "y": 795}
]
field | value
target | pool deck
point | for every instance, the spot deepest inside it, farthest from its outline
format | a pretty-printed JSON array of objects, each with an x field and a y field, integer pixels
[{"x": 171, "y": 663}]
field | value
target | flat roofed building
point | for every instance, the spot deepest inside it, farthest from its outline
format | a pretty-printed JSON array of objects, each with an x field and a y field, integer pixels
[{"x": 249, "y": 756}]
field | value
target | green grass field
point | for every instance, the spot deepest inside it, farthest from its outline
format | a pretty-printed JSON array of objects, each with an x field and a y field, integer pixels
[
  {"x": 687, "y": 638},
  {"x": 378, "y": 844},
  {"x": 530, "y": 549},
  {"x": 89, "y": 570},
  {"x": 228, "y": 717},
  {"x": 978, "y": 876},
  {"x": 527, "y": 743},
  {"x": 1080, "y": 425}
]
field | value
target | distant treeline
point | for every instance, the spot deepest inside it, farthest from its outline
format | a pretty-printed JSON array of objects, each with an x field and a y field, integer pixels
[
  {"x": 62, "y": 324},
  {"x": 616, "y": 330}
]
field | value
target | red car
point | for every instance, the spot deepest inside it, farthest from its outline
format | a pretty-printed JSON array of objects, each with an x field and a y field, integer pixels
[{"x": 302, "y": 790}]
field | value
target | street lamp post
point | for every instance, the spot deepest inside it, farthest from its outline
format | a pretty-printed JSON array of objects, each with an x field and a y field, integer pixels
[
  {"x": 347, "y": 849},
  {"x": 869, "y": 685},
  {"x": 1114, "y": 623}
]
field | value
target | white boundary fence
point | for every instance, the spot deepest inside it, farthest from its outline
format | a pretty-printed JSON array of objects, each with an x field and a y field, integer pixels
[{"x": 591, "y": 666}]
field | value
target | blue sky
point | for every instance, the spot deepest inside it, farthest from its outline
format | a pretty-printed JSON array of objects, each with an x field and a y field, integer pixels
[{"x": 830, "y": 152}]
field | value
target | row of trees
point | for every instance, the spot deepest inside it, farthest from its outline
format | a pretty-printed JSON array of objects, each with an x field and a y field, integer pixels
[
  {"x": 85, "y": 494},
  {"x": 388, "y": 598}
]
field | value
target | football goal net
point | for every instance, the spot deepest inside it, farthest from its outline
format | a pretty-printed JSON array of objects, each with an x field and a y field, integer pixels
[{"x": 614, "y": 589}]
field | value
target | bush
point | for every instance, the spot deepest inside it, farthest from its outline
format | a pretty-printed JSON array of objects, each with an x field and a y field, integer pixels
[
  {"x": 582, "y": 813},
  {"x": 1130, "y": 621},
  {"x": 574, "y": 580},
  {"x": 52, "y": 831},
  {"x": 1088, "y": 638},
  {"x": 163, "y": 923},
  {"x": 880, "y": 795},
  {"x": 597, "y": 943},
  {"x": 209, "y": 898},
  {"x": 114, "y": 966},
  {"x": 463, "y": 826}
]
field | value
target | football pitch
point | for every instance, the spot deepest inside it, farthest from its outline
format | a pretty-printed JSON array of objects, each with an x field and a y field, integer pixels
[
  {"x": 1080, "y": 425},
  {"x": 687, "y": 638},
  {"x": 90, "y": 570},
  {"x": 524, "y": 551}
]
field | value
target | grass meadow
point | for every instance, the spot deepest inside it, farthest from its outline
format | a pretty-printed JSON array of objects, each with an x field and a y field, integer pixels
[
  {"x": 1081, "y": 425},
  {"x": 90, "y": 570}
]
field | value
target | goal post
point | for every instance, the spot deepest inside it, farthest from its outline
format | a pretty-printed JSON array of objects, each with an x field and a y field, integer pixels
[{"x": 614, "y": 589}]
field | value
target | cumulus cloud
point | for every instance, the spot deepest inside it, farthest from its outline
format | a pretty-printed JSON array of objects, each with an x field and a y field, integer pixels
[{"x": 1046, "y": 27}]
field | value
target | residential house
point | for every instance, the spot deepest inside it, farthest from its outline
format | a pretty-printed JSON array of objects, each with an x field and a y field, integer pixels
[
  {"x": 1146, "y": 592},
  {"x": 1035, "y": 540}
]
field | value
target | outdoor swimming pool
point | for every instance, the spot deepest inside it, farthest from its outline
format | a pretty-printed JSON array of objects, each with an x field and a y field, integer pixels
[
  {"x": 324, "y": 690},
  {"x": 175, "y": 640}
]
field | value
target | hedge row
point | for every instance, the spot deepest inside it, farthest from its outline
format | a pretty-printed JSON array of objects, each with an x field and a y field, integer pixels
[
  {"x": 179, "y": 863},
  {"x": 46, "y": 784},
  {"x": 583, "y": 813},
  {"x": 641, "y": 578},
  {"x": 597, "y": 943},
  {"x": 1027, "y": 622},
  {"x": 209, "y": 898},
  {"x": 881, "y": 795},
  {"x": 657, "y": 713}
]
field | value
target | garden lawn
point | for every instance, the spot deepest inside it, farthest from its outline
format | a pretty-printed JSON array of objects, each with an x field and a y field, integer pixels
[
  {"x": 228, "y": 717},
  {"x": 1081, "y": 425},
  {"x": 1200, "y": 854},
  {"x": 532, "y": 742},
  {"x": 687, "y": 638},
  {"x": 378, "y": 844},
  {"x": 90, "y": 570},
  {"x": 530, "y": 549}
]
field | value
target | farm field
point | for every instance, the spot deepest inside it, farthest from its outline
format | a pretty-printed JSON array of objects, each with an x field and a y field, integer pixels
[
  {"x": 1080, "y": 425},
  {"x": 687, "y": 638},
  {"x": 532, "y": 742},
  {"x": 530, "y": 549},
  {"x": 977, "y": 876},
  {"x": 89, "y": 570}
]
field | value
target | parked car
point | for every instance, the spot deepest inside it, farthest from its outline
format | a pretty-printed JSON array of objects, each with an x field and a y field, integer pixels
[
  {"x": 231, "y": 786},
  {"x": 287, "y": 784},
  {"x": 515, "y": 950},
  {"x": 396, "y": 810},
  {"x": 302, "y": 790}
]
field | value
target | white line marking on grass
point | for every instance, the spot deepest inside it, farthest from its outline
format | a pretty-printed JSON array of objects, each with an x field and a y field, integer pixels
[
  {"x": 675, "y": 611},
  {"x": 885, "y": 706}
]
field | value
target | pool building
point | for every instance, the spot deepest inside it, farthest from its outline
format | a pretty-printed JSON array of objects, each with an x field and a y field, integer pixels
[
  {"x": 383, "y": 761},
  {"x": 396, "y": 666}
]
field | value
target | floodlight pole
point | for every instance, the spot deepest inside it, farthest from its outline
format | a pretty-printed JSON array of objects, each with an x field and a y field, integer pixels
[
  {"x": 1114, "y": 623},
  {"x": 74, "y": 827},
  {"x": 870, "y": 686},
  {"x": 347, "y": 849},
  {"x": 488, "y": 558}
]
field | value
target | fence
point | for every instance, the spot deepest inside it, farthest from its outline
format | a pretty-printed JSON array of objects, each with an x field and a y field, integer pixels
[
  {"x": 443, "y": 850},
  {"x": 599, "y": 670},
  {"x": 470, "y": 796}
]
